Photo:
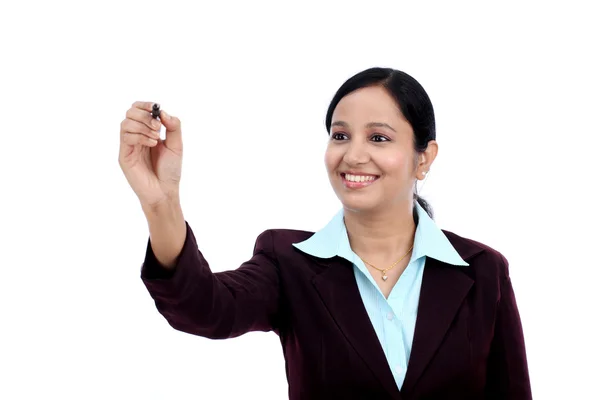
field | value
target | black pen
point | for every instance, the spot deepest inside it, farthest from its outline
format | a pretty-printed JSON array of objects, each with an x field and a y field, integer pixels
[
  {"x": 156, "y": 114},
  {"x": 155, "y": 110}
]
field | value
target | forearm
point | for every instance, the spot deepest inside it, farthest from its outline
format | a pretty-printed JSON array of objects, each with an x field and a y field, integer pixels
[
  {"x": 219, "y": 305},
  {"x": 167, "y": 231}
]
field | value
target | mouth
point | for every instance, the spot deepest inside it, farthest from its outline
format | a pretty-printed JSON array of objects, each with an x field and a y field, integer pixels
[{"x": 357, "y": 181}]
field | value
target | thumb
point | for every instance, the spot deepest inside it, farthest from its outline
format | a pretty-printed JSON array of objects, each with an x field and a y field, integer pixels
[{"x": 172, "y": 124}]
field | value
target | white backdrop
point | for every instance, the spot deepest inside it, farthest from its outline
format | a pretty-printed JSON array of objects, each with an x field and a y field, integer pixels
[{"x": 515, "y": 90}]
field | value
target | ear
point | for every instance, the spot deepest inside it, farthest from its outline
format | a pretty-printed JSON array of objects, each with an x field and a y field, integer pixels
[
  {"x": 426, "y": 159},
  {"x": 430, "y": 153}
]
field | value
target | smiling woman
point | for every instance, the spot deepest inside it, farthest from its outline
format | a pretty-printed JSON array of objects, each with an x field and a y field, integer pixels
[
  {"x": 384, "y": 116},
  {"x": 431, "y": 314}
]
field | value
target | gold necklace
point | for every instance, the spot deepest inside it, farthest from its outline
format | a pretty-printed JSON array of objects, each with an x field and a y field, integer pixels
[{"x": 383, "y": 271}]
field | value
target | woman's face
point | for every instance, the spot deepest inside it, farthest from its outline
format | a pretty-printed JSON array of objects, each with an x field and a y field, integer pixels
[{"x": 370, "y": 156}]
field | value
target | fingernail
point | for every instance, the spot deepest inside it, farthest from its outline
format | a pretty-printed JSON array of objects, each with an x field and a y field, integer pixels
[
  {"x": 165, "y": 115},
  {"x": 155, "y": 124}
]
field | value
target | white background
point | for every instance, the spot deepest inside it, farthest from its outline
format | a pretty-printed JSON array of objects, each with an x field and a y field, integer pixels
[{"x": 515, "y": 90}]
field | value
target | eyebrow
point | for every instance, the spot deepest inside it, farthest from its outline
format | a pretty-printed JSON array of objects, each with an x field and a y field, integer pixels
[{"x": 369, "y": 125}]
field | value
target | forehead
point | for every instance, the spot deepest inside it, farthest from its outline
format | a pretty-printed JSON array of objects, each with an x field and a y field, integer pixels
[{"x": 372, "y": 103}]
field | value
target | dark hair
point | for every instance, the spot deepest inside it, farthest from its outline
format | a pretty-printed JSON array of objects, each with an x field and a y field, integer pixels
[{"x": 412, "y": 100}]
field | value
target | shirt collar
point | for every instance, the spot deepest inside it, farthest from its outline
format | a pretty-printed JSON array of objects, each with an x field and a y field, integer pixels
[{"x": 332, "y": 240}]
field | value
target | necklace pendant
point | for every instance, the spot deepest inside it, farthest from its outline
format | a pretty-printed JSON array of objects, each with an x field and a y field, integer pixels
[{"x": 384, "y": 277}]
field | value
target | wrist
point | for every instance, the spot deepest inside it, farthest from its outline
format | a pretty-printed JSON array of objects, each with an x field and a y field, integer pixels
[{"x": 170, "y": 206}]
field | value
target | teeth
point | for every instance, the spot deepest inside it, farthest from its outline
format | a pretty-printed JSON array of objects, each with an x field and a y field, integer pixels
[{"x": 359, "y": 178}]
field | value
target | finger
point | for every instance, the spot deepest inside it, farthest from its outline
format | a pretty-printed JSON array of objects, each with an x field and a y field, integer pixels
[
  {"x": 133, "y": 139},
  {"x": 142, "y": 116},
  {"x": 131, "y": 126},
  {"x": 143, "y": 105},
  {"x": 173, "y": 134}
]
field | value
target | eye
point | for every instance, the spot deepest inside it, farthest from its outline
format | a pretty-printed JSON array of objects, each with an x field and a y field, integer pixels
[
  {"x": 380, "y": 138},
  {"x": 338, "y": 136}
]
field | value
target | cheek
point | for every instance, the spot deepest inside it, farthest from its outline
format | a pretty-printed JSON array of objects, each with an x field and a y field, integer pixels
[
  {"x": 332, "y": 159},
  {"x": 394, "y": 164}
]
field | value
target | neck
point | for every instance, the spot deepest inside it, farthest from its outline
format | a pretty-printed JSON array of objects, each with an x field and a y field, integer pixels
[{"x": 381, "y": 236}]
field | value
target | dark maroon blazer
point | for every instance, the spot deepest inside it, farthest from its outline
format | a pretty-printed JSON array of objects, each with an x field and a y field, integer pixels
[{"x": 468, "y": 341}]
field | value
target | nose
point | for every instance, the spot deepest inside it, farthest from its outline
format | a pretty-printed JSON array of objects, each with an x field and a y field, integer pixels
[{"x": 356, "y": 153}]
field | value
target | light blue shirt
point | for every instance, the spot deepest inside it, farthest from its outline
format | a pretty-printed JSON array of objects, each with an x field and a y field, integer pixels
[{"x": 394, "y": 318}]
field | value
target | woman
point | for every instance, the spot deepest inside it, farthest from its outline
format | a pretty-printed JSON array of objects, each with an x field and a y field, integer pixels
[{"x": 380, "y": 303}]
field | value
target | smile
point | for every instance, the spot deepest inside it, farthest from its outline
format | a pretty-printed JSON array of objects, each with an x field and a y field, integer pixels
[{"x": 358, "y": 181}]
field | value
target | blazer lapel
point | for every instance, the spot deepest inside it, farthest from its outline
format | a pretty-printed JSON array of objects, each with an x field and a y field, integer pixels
[
  {"x": 338, "y": 290},
  {"x": 443, "y": 290}
]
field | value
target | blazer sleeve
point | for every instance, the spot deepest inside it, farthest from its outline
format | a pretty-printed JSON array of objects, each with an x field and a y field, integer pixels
[
  {"x": 507, "y": 371},
  {"x": 219, "y": 305}
]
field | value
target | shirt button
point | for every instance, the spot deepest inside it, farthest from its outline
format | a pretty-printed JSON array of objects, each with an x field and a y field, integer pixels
[
  {"x": 398, "y": 369},
  {"x": 390, "y": 316}
]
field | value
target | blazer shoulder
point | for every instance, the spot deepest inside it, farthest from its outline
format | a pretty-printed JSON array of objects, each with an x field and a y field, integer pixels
[
  {"x": 279, "y": 241},
  {"x": 479, "y": 255},
  {"x": 286, "y": 237}
]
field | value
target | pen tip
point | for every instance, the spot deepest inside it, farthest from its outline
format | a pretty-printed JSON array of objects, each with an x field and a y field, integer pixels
[{"x": 155, "y": 110}]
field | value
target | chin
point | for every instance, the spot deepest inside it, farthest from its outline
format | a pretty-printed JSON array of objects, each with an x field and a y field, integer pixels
[{"x": 358, "y": 205}]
